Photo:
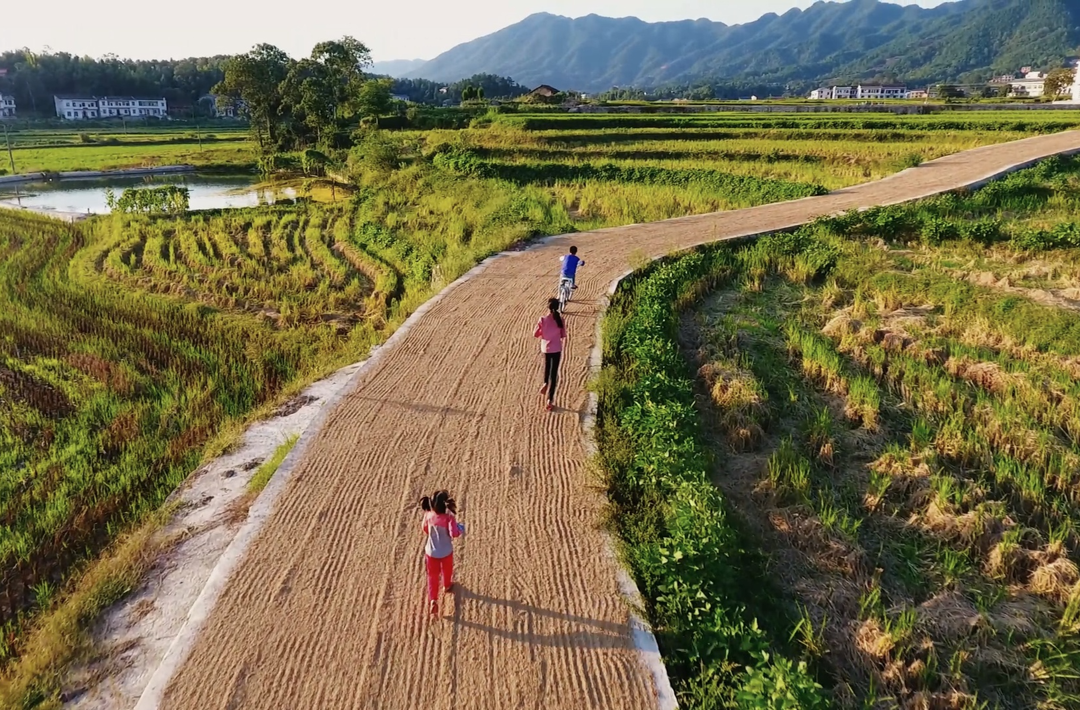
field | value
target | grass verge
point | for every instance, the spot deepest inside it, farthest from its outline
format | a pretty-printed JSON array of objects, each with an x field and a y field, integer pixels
[
  {"x": 270, "y": 466},
  {"x": 61, "y": 634}
]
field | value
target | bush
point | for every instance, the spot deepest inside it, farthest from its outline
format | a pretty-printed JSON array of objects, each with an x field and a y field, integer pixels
[
  {"x": 936, "y": 230},
  {"x": 985, "y": 232},
  {"x": 376, "y": 151}
]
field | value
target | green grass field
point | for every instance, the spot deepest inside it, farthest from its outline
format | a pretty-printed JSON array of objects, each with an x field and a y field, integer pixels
[
  {"x": 62, "y": 150},
  {"x": 131, "y": 347}
]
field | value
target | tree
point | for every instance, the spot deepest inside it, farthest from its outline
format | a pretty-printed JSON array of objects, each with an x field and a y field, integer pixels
[
  {"x": 343, "y": 62},
  {"x": 1058, "y": 82},
  {"x": 948, "y": 91},
  {"x": 257, "y": 78},
  {"x": 374, "y": 98}
]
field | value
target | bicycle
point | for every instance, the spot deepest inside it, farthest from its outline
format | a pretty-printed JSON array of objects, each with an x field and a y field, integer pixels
[{"x": 565, "y": 291}]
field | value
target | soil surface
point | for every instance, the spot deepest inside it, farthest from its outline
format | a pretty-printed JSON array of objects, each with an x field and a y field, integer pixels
[{"x": 326, "y": 609}]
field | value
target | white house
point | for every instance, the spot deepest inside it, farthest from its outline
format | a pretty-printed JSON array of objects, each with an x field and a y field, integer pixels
[
  {"x": 1033, "y": 84},
  {"x": 131, "y": 107},
  {"x": 917, "y": 94},
  {"x": 7, "y": 106},
  {"x": 78, "y": 108},
  {"x": 833, "y": 92},
  {"x": 874, "y": 91}
]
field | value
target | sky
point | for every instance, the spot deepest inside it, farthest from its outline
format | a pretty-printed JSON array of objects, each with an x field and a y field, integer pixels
[{"x": 407, "y": 29}]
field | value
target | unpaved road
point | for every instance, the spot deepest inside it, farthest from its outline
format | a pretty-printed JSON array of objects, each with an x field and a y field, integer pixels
[{"x": 326, "y": 610}]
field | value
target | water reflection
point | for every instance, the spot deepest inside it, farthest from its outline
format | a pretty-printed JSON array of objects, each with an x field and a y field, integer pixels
[{"x": 88, "y": 196}]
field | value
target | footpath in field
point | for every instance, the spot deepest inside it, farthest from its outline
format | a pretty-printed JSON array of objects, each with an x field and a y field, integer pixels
[{"x": 326, "y": 609}]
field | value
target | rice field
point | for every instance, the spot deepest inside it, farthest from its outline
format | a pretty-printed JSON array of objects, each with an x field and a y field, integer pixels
[
  {"x": 132, "y": 347},
  {"x": 887, "y": 406}
]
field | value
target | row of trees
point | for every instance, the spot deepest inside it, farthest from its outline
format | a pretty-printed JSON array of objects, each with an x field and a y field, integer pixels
[
  {"x": 700, "y": 91},
  {"x": 33, "y": 78},
  {"x": 315, "y": 101},
  {"x": 433, "y": 93}
]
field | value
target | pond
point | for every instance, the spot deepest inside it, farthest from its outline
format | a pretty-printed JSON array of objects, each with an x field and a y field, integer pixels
[{"x": 79, "y": 196}]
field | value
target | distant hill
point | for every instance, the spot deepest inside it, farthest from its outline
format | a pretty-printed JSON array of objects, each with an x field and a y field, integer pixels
[
  {"x": 859, "y": 39},
  {"x": 397, "y": 67}
]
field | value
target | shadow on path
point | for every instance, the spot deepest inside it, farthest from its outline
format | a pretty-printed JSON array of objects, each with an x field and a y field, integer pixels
[{"x": 575, "y": 632}]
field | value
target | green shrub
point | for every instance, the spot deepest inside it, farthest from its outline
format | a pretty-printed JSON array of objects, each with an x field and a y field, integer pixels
[{"x": 678, "y": 541}]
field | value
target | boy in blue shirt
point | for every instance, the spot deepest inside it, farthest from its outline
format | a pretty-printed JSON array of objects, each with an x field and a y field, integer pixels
[{"x": 570, "y": 263}]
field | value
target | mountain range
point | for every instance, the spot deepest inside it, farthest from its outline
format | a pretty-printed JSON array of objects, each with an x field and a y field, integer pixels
[
  {"x": 842, "y": 41},
  {"x": 397, "y": 67}
]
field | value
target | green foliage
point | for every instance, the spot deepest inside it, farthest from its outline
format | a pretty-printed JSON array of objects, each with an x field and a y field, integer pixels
[
  {"x": 33, "y": 78},
  {"x": 269, "y": 467},
  {"x": 678, "y": 540},
  {"x": 169, "y": 199},
  {"x": 257, "y": 78},
  {"x": 1057, "y": 82},
  {"x": 374, "y": 99}
]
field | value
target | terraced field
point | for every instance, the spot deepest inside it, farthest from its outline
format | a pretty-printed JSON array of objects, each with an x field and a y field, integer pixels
[{"x": 135, "y": 346}]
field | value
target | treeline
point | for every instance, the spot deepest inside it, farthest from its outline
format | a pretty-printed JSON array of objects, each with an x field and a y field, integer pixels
[
  {"x": 424, "y": 91},
  {"x": 33, "y": 79},
  {"x": 706, "y": 91}
]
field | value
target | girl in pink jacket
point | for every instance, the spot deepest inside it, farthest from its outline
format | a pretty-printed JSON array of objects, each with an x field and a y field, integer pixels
[
  {"x": 551, "y": 331},
  {"x": 440, "y": 527}
]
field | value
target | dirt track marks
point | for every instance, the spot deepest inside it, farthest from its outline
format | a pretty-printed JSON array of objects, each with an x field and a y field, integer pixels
[{"x": 326, "y": 610}]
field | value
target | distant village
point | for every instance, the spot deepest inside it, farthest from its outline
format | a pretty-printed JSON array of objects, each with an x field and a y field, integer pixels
[
  {"x": 1027, "y": 83},
  {"x": 86, "y": 108}
]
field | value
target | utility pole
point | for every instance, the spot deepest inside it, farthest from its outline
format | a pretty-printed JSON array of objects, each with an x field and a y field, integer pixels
[{"x": 11, "y": 156}]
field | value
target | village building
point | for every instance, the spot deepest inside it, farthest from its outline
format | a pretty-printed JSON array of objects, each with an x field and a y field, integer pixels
[
  {"x": 81, "y": 108},
  {"x": 76, "y": 108},
  {"x": 544, "y": 91},
  {"x": 874, "y": 91},
  {"x": 832, "y": 93},
  {"x": 130, "y": 106},
  {"x": 7, "y": 106},
  {"x": 1032, "y": 84}
]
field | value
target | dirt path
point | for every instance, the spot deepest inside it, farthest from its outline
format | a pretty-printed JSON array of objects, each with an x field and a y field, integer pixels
[{"x": 326, "y": 607}]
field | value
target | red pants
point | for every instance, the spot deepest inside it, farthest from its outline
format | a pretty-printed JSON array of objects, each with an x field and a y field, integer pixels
[{"x": 435, "y": 566}]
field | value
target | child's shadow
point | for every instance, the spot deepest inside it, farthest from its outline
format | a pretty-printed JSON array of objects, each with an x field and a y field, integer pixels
[{"x": 533, "y": 625}]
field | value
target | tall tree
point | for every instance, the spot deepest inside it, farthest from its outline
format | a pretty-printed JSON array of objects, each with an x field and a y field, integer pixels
[
  {"x": 1058, "y": 81},
  {"x": 343, "y": 62},
  {"x": 256, "y": 78},
  {"x": 374, "y": 99}
]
